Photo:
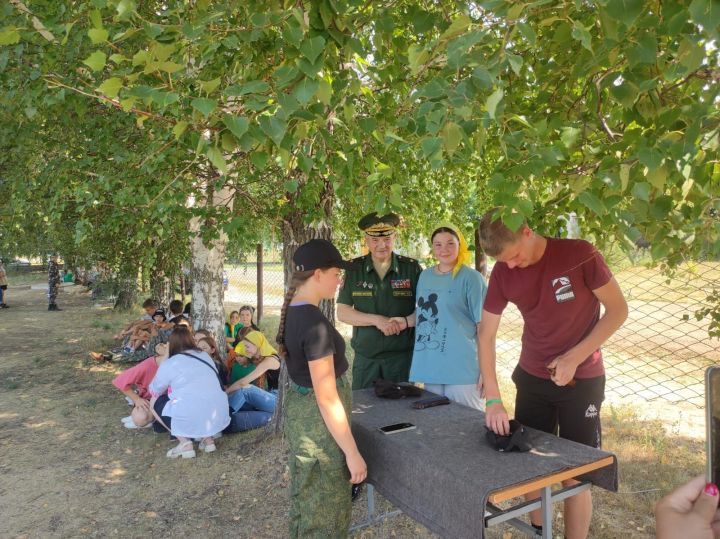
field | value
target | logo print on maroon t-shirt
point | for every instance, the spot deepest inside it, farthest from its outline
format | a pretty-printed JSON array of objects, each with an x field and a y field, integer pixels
[{"x": 563, "y": 289}]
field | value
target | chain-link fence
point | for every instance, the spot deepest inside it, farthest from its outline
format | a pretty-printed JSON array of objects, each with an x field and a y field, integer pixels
[
  {"x": 257, "y": 281},
  {"x": 661, "y": 352}
]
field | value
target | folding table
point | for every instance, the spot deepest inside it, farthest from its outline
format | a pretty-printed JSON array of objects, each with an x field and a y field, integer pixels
[{"x": 445, "y": 475}]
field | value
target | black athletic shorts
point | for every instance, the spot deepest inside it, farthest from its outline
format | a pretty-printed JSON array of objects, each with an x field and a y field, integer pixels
[
  {"x": 160, "y": 403},
  {"x": 572, "y": 413}
]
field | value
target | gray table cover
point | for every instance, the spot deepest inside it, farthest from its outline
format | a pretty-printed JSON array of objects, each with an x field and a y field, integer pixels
[{"x": 441, "y": 473}]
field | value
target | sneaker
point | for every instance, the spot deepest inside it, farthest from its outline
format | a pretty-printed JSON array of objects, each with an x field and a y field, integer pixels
[
  {"x": 129, "y": 401},
  {"x": 130, "y": 424},
  {"x": 126, "y": 419}
]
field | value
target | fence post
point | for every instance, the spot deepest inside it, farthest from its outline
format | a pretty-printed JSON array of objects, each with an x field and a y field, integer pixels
[{"x": 259, "y": 271}]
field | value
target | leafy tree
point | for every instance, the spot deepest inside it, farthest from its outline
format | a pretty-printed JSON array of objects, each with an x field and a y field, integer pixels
[{"x": 312, "y": 112}]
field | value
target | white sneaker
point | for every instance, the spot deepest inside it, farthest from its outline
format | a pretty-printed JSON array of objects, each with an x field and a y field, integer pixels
[
  {"x": 129, "y": 401},
  {"x": 130, "y": 424},
  {"x": 126, "y": 419}
]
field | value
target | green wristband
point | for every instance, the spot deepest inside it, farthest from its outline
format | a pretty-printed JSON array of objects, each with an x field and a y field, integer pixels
[{"x": 493, "y": 401}]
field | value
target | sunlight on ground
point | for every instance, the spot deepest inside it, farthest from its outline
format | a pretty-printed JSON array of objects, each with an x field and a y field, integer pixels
[
  {"x": 98, "y": 367},
  {"x": 42, "y": 425},
  {"x": 689, "y": 422}
]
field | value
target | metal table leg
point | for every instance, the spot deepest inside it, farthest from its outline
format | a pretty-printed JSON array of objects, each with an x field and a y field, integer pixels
[
  {"x": 546, "y": 502},
  {"x": 372, "y": 518}
]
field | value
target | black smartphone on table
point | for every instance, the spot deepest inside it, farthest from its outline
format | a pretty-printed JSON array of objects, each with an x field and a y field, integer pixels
[
  {"x": 429, "y": 402},
  {"x": 397, "y": 427},
  {"x": 712, "y": 423}
]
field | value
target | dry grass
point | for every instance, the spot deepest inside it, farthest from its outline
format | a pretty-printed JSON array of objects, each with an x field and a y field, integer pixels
[{"x": 69, "y": 468}]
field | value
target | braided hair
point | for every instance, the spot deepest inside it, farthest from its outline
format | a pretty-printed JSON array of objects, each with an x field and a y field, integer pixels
[{"x": 297, "y": 279}]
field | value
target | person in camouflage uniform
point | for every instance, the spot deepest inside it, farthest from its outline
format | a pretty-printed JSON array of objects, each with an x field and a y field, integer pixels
[
  {"x": 324, "y": 458},
  {"x": 319, "y": 476},
  {"x": 53, "y": 283}
]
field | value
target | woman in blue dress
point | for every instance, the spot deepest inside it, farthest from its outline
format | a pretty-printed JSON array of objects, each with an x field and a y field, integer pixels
[{"x": 450, "y": 297}]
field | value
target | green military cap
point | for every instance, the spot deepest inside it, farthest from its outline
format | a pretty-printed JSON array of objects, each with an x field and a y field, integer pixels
[{"x": 374, "y": 225}]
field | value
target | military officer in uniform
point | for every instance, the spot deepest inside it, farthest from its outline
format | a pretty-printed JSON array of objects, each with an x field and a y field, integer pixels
[
  {"x": 53, "y": 283},
  {"x": 381, "y": 286}
]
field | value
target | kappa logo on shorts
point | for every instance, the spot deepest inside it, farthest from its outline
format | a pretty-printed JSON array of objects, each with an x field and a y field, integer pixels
[
  {"x": 591, "y": 411},
  {"x": 563, "y": 289}
]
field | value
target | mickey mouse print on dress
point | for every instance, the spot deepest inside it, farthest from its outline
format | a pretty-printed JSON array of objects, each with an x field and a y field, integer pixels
[{"x": 427, "y": 323}]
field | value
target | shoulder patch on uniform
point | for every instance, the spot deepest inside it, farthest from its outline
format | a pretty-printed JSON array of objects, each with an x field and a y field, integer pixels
[{"x": 407, "y": 259}]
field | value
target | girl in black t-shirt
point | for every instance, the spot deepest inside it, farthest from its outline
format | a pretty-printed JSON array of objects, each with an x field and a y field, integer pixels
[{"x": 323, "y": 453}]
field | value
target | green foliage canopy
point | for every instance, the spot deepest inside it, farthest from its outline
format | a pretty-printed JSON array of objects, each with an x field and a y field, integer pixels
[{"x": 435, "y": 109}]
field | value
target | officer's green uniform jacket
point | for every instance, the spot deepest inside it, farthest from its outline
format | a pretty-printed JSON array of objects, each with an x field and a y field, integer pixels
[{"x": 393, "y": 296}]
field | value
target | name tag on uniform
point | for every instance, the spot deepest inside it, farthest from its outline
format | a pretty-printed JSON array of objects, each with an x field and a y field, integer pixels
[
  {"x": 402, "y": 293},
  {"x": 400, "y": 283},
  {"x": 362, "y": 293}
]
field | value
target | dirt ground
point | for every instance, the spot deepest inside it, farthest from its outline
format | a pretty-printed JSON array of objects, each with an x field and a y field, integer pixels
[{"x": 70, "y": 469}]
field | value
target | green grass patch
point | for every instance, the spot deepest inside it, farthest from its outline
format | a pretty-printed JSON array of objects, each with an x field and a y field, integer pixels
[
  {"x": 18, "y": 278},
  {"x": 10, "y": 384}
]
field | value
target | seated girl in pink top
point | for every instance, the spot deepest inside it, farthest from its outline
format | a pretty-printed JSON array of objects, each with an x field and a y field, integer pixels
[{"x": 140, "y": 377}]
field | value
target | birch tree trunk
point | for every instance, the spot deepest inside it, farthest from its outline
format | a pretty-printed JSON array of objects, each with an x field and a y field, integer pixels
[
  {"x": 161, "y": 278},
  {"x": 161, "y": 289},
  {"x": 208, "y": 310}
]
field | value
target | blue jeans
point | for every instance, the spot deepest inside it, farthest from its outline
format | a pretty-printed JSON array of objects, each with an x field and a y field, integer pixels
[{"x": 251, "y": 408}]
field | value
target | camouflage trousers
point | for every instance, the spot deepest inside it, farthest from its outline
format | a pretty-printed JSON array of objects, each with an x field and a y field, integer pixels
[
  {"x": 52, "y": 294},
  {"x": 320, "y": 503},
  {"x": 144, "y": 352}
]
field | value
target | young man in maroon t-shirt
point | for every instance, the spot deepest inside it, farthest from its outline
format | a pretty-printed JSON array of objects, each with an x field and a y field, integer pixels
[{"x": 558, "y": 285}]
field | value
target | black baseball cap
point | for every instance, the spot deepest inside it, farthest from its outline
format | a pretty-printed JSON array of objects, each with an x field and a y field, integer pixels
[{"x": 316, "y": 254}]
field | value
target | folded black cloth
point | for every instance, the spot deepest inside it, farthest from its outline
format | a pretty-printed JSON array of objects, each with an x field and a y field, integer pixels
[
  {"x": 392, "y": 390},
  {"x": 517, "y": 440}
]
